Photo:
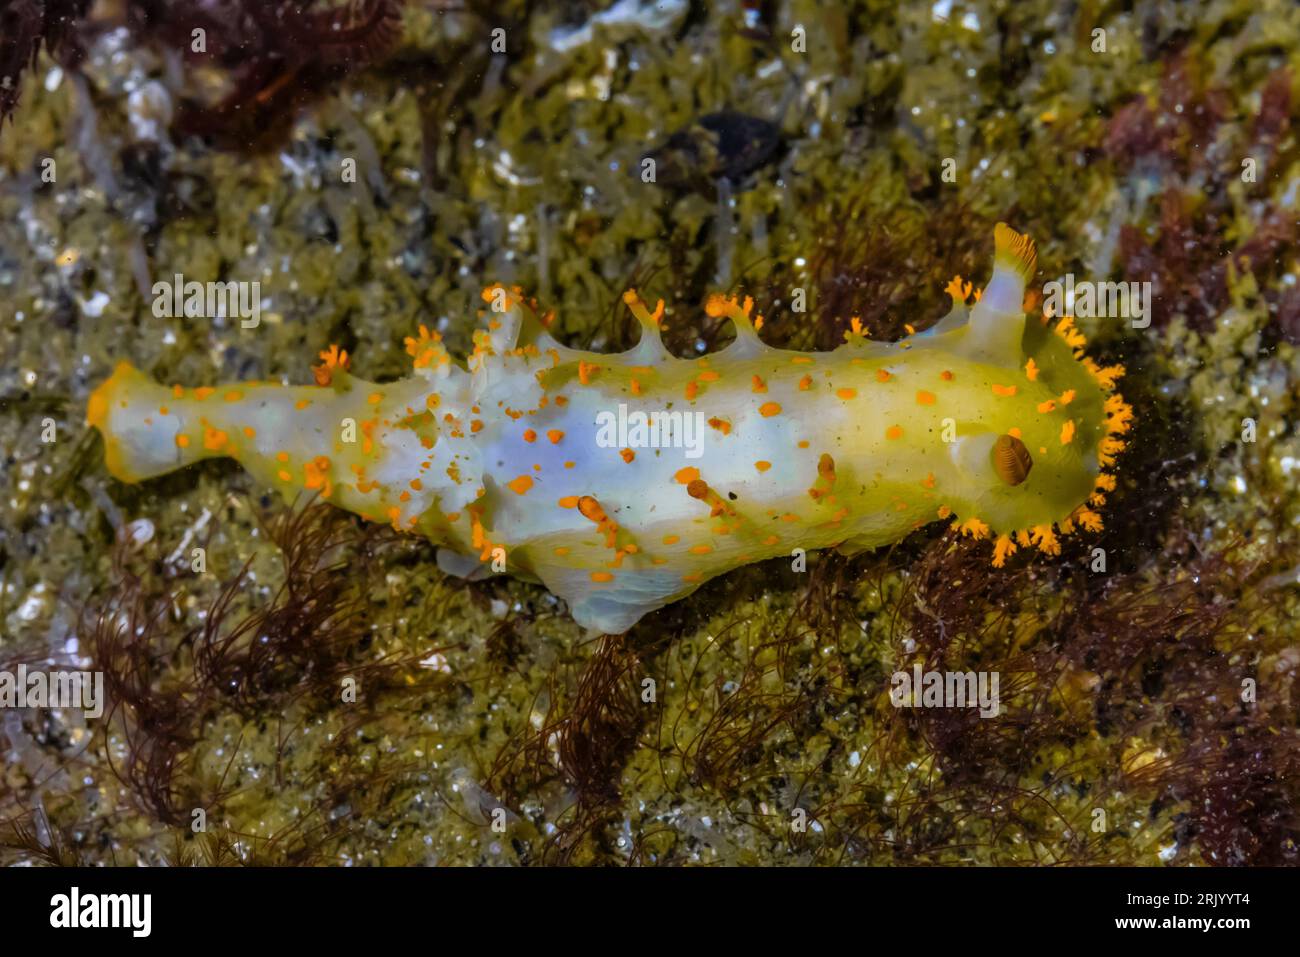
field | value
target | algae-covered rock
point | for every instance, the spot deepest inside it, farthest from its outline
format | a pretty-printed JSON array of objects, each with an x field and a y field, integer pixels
[{"x": 292, "y": 686}]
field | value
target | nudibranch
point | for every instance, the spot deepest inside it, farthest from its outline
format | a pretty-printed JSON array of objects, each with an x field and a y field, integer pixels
[{"x": 622, "y": 482}]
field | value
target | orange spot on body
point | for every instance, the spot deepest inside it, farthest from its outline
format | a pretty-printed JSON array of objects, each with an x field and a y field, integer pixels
[
  {"x": 769, "y": 409},
  {"x": 925, "y": 398},
  {"x": 520, "y": 485},
  {"x": 894, "y": 432}
]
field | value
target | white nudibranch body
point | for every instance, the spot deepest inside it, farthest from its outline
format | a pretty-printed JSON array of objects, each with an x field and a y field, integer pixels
[{"x": 622, "y": 482}]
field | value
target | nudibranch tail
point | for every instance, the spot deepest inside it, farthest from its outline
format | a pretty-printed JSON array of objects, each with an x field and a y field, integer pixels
[{"x": 622, "y": 482}]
